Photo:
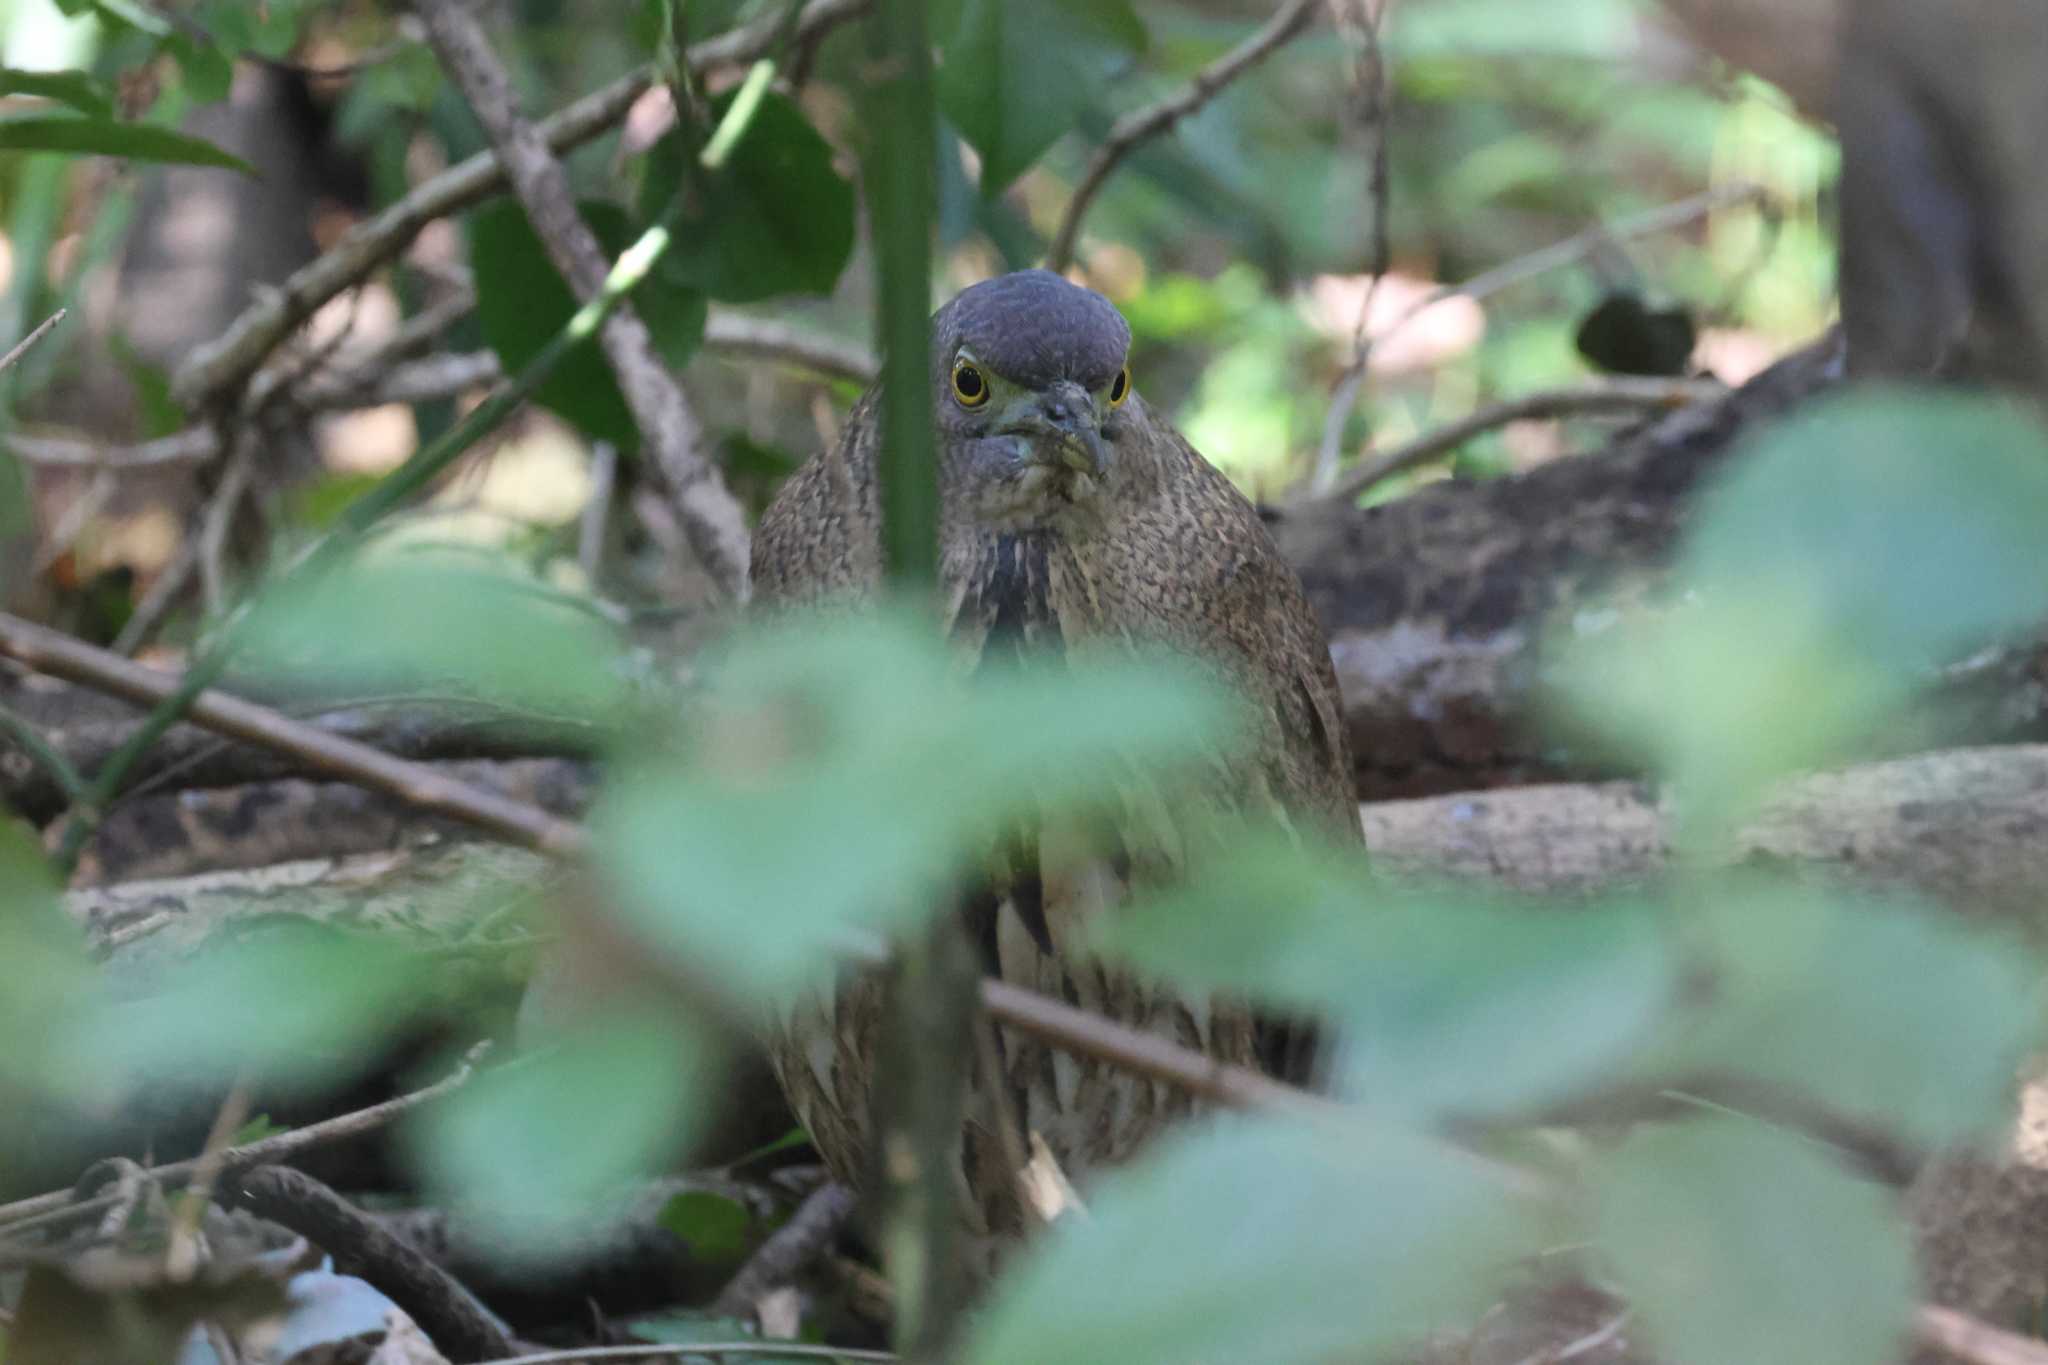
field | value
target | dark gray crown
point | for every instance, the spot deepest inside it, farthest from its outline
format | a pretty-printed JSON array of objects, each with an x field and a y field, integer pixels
[{"x": 1034, "y": 327}]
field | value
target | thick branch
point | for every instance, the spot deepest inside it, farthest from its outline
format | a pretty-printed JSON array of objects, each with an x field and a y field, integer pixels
[{"x": 711, "y": 516}]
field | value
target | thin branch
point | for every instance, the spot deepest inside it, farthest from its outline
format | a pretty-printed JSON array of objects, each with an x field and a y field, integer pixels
[
  {"x": 711, "y": 516},
  {"x": 21, "y": 348},
  {"x": 221, "y": 366},
  {"x": 1619, "y": 395},
  {"x": 48, "y": 651},
  {"x": 190, "y": 446},
  {"x": 787, "y": 1251},
  {"x": 785, "y": 344},
  {"x": 1149, "y": 122},
  {"x": 1978, "y": 1343},
  {"x": 445, "y": 1310},
  {"x": 24, "y": 1214},
  {"x": 1577, "y": 247},
  {"x": 719, "y": 1350},
  {"x": 155, "y": 607},
  {"x": 1360, "y": 23}
]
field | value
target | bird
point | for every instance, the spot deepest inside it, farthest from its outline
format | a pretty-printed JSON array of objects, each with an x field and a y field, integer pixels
[{"x": 1072, "y": 517}]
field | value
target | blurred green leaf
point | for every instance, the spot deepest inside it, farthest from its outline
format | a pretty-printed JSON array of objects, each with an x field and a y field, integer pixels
[
  {"x": 209, "y": 73},
  {"x": 1881, "y": 1010},
  {"x": 522, "y": 302},
  {"x": 1740, "y": 1245},
  {"x": 1445, "y": 1004},
  {"x": 777, "y": 218},
  {"x": 109, "y": 137},
  {"x": 543, "y": 1150},
  {"x": 1917, "y": 515},
  {"x": 432, "y": 618},
  {"x": 1852, "y": 551},
  {"x": 76, "y": 88},
  {"x": 44, "y": 975},
  {"x": 1263, "y": 1239},
  {"x": 716, "y": 1228},
  {"x": 290, "y": 1001},
  {"x": 847, "y": 775},
  {"x": 1018, "y": 73}
]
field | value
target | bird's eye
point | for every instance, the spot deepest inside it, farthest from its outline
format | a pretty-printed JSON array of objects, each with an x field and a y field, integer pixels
[
  {"x": 1120, "y": 387},
  {"x": 969, "y": 388}
]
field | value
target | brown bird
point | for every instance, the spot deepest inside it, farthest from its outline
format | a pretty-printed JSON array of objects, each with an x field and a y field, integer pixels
[{"x": 1073, "y": 518}]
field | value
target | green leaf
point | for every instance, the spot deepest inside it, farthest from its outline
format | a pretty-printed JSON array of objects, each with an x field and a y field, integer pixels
[
  {"x": 44, "y": 975},
  {"x": 1917, "y": 515},
  {"x": 777, "y": 218},
  {"x": 848, "y": 773},
  {"x": 522, "y": 303},
  {"x": 1268, "y": 1240},
  {"x": 1881, "y": 1010},
  {"x": 291, "y": 1001},
  {"x": 1852, "y": 551},
  {"x": 109, "y": 137},
  {"x": 1018, "y": 73},
  {"x": 1447, "y": 1005},
  {"x": 394, "y": 619},
  {"x": 1740, "y": 1245},
  {"x": 75, "y": 88},
  {"x": 717, "y": 1229},
  {"x": 546, "y": 1150},
  {"x": 209, "y": 73}
]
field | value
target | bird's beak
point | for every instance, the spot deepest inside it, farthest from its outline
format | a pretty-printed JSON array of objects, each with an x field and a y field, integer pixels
[{"x": 1063, "y": 427}]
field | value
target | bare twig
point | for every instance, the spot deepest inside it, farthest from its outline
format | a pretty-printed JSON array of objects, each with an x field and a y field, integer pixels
[
  {"x": 443, "y": 1308},
  {"x": 1591, "y": 1341},
  {"x": 23, "y": 1214},
  {"x": 1576, "y": 247},
  {"x": 785, "y": 1254},
  {"x": 596, "y": 521},
  {"x": 48, "y": 651},
  {"x": 1359, "y": 21},
  {"x": 1619, "y": 395},
  {"x": 1978, "y": 1343},
  {"x": 82, "y": 512},
  {"x": 155, "y": 606},
  {"x": 718, "y": 1350},
  {"x": 711, "y": 516},
  {"x": 191, "y": 446},
  {"x": 785, "y": 344},
  {"x": 21, "y": 348},
  {"x": 221, "y": 366},
  {"x": 1142, "y": 124},
  {"x": 219, "y": 518},
  {"x": 182, "y": 1254}
]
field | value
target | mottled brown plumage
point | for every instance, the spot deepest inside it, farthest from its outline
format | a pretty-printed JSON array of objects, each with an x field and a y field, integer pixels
[{"x": 1073, "y": 520}]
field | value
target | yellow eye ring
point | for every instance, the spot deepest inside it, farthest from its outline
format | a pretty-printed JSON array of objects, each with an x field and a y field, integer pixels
[
  {"x": 970, "y": 387},
  {"x": 1120, "y": 387}
]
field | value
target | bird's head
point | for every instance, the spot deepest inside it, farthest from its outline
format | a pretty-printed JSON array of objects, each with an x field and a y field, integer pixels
[{"x": 1032, "y": 395}]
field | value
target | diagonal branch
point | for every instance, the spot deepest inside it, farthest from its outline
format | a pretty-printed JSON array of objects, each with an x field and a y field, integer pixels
[
  {"x": 710, "y": 515},
  {"x": 217, "y": 369},
  {"x": 1141, "y": 125}
]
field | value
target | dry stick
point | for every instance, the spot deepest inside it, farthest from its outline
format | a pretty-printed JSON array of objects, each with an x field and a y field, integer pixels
[
  {"x": 717, "y": 1350},
  {"x": 1360, "y": 22},
  {"x": 419, "y": 784},
  {"x": 217, "y": 368},
  {"x": 1142, "y": 124},
  {"x": 1484, "y": 285},
  {"x": 792, "y": 1247},
  {"x": 444, "y": 1309},
  {"x": 1622, "y": 395},
  {"x": 21, "y": 347},
  {"x": 23, "y": 1214},
  {"x": 711, "y": 517}
]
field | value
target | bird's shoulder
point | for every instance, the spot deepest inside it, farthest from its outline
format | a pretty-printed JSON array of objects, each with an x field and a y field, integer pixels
[{"x": 821, "y": 534}]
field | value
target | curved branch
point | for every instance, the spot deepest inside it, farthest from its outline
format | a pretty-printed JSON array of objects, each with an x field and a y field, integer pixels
[
  {"x": 1142, "y": 124},
  {"x": 1622, "y": 395}
]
